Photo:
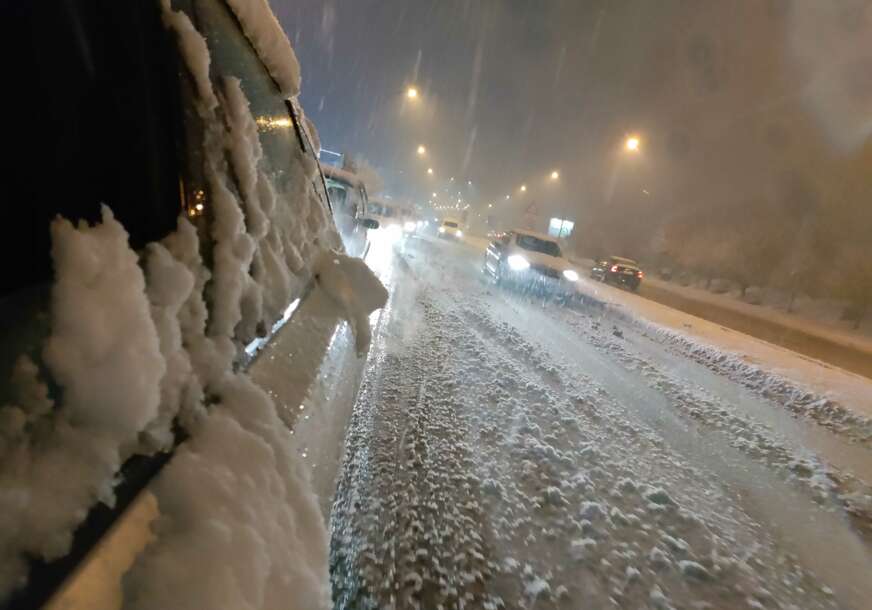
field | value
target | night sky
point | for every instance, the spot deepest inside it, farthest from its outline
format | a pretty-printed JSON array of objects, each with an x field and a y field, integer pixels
[
  {"x": 751, "y": 114},
  {"x": 510, "y": 90}
]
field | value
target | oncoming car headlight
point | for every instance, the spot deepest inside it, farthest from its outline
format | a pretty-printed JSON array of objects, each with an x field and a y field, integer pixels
[
  {"x": 518, "y": 262},
  {"x": 459, "y": 233},
  {"x": 393, "y": 232},
  {"x": 570, "y": 275},
  {"x": 442, "y": 229},
  {"x": 410, "y": 226}
]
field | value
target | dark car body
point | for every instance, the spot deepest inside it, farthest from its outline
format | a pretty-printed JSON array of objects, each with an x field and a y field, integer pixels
[{"x": 618, "y": 271}]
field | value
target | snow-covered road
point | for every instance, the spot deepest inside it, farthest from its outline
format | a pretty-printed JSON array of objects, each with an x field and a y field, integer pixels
[{"x": 508, "y": 453}]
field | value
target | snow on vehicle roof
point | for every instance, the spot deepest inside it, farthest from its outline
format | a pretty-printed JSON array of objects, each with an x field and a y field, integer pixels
[
  {"x": 266, "y": 35},
  {"x": 342, "y": 175},
  {"x": 621, "y": 259},
  {"x": 542, "y": 236}
]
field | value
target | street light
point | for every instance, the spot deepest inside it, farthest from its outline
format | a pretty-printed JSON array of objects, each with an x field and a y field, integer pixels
[
  {"x": 632, "y": 143},
  {"x": 430, "y": 170},
  {"x": 412, "y": 93},
  {"x": 555, "y": 175},
  {"x": 421, "y": 150},
  {"x": 523, "y": 188}
]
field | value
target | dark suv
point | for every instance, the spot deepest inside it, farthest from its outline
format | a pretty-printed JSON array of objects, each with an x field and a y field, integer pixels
[{"x": 619, "y": 271}]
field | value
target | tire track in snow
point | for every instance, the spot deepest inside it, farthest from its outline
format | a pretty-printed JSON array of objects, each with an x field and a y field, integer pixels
[{"x": 408, "y": 535}]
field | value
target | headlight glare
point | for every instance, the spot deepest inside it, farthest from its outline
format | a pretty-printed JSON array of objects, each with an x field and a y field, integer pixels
[
  {"x": 459, "y": 233},
  {"x": 570, "y": 275},
  {"x": 518, "y": 262},
  {"x": 410, "y": 226}
]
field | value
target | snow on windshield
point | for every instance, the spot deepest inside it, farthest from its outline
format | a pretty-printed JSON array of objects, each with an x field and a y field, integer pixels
[{"x": 534, "y": 244}]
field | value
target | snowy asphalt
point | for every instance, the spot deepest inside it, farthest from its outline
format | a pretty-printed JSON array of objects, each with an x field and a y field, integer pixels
[{"x": 508, "y": 453}]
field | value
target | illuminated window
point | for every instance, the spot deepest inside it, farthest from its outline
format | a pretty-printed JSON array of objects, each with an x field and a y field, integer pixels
[{"x": 559, "y": 227}]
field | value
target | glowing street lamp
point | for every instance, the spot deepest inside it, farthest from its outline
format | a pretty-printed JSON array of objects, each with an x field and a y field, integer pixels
[
  {"x": 412, "y": 93},
  {"x": 523, "y": 188},
  {"x": 632, "y": 143},
  {"x": 430, "y": 170},
  {"x": 555, "y": 175},
  {"x": 422, "y": 150}
]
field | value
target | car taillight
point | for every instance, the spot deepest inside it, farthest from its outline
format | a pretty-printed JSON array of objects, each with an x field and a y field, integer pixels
[
  {"x": 614, "y": 268},
  {"x": 640, "y": 274}
]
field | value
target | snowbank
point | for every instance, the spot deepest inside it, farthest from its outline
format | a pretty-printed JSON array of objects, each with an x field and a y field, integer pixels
[{"x": 834, "y": 398}]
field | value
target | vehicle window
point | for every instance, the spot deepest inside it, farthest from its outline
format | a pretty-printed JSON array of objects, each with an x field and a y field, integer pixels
[
  {"x": 364, "y": 200},
  {"x": 233, "y": 54},
  {"x": 449, "y": 223},
  {"x": 110, "y": 140},
  {"x": 337, "y": 195},
  {"x": 534, "y": 244}
]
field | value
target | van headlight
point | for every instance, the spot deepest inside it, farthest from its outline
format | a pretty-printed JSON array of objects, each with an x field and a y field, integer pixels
[
  {"x": 410, "y": 226},
  {"x": 459, "y": 233},
  {"x": 518, "y": 263},
  {"x": 442, "y": 229},
  {"x": 570, "y": 275}
]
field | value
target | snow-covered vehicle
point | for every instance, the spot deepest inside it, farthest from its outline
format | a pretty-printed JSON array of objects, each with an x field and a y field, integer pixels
[
  {"x": 169, "y": 221},
  {"x": 391, "y": 214},
  {"x": 352, "y": 209},
  {"x": 450, "y": 227},
  {"x": 618, "y": 270},
  {"x": 531, "y": 262}
]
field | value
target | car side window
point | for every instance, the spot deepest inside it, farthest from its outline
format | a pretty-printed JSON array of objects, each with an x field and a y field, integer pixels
[
  {"x": 109, "y": 139},
  {"x": 363, "y": 201},
  {"x": 338, "y": 196},
  {"x": 232, "y": 54}
]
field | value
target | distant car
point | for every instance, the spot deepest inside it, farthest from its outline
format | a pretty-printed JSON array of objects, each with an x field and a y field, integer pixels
[
  {"x": 388, "y": 214},
  {"x": 531, "y": 262},
  {"x": 619, "y": 271},
  {"x": 450, "y": 228}
]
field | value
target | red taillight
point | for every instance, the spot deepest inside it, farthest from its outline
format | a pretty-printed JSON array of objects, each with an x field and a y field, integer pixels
[
  {"x": 640, "y": 274},
  {"x": 614, "y": 268}
]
